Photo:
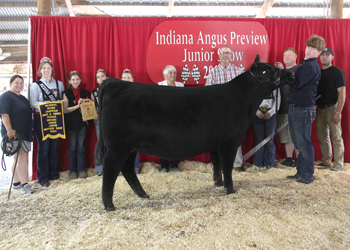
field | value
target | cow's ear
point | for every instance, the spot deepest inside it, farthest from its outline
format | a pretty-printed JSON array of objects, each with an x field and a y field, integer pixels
[
  {"x": 255, "y": 63},
  {"x": 257, "y": 58}
]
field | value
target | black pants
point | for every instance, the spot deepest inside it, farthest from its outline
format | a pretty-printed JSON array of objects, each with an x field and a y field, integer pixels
[{"x": 165, "y": 164}]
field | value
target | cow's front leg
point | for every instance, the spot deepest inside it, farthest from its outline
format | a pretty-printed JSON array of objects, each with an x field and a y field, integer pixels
[
  {"x": 227, "y": 157},
  {"x": 111, "y": 169},
  {"x": 217, "y": 169}
]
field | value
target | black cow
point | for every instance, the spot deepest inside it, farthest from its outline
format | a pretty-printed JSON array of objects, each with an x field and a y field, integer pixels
[{"x": 178, "y": 123}]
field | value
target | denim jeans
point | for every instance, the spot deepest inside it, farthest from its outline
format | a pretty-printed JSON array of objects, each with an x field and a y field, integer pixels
[
  {"x": 47, "y": 158},
  {"x": 76, "y": 152},
  {"x": 300, "y": 123},
  {"x": 263, "y": 128},
  {"x": 98, "y": 168}
]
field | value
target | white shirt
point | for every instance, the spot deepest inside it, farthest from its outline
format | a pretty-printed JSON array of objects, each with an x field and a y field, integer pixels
[{"x": 177, "y": 84}]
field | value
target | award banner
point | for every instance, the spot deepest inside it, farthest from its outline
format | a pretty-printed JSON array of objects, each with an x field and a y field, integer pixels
[{"x": 52, "y": 120}]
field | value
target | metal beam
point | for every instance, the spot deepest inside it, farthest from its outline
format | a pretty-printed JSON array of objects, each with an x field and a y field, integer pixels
[
  {"x": 14, "y": 43},
  {"x": 265, "y": 8},
  {"x": 13, "y": 19},
  {"x": 70, "y": 8},
  {"x": 171, "y": 5},
  {"x": 14, "y": 31}
]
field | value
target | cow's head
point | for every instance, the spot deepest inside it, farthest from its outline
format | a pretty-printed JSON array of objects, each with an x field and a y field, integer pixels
[{"x": 265, "y": 72}]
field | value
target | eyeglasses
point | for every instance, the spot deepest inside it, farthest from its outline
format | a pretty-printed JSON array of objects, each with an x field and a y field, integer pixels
[{"x": 225, "y": 52}]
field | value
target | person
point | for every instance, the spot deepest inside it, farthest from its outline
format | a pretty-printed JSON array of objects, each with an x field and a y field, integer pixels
[
  {"x": 302, "y": 111},
  {"x": 73, "y": 97},
  {"x": 223, "y": 73},
  {"x": 169, "y": 73},
  {"x": 128, "y": 76},
  {"x": 290, "y": 56},
  {"x": 328, "y": 112},
  {"x": 264, "y": 124},
  {"x": 16, "y": 115},
  {"x": 47, "y": 89},
  {"x": 101, "y": 75}
]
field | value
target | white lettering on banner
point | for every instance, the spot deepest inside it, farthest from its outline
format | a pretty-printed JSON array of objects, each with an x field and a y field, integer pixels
[
  {"x": 198, "y": 56},
  {"x": 172, "y": 38},
  {"x": 215, "y": 39},
  {"x": 248, "y": 39}
]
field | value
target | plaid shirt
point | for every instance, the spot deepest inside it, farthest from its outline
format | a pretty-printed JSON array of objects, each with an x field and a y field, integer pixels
[{"x": 220, "y": 75}]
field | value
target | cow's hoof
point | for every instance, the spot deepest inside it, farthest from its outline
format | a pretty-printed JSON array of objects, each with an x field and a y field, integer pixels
[
  {"x": 110, "y": 208},
  {"x": 219, "y": 183},
  {"x": 144, "y": 195},
  {"x": 230, "y": 191}
]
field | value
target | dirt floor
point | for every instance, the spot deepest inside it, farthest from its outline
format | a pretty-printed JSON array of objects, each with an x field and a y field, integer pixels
[{"x": 185, "y": 211}]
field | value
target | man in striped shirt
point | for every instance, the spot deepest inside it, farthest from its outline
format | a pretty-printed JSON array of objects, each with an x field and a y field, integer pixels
[{"x": 223, "y": 73}]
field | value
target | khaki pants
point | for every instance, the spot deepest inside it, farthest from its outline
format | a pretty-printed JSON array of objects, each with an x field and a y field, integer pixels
[{"x": 324, "y": 124}]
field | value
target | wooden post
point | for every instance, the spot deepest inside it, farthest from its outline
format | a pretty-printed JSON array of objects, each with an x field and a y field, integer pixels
[
  {"x": 44, "y": 7},
  {"x": 336, "y": 9}
]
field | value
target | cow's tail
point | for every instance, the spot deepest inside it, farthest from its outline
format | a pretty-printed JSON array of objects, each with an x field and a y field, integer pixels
[{"x": 100, "y": 146}]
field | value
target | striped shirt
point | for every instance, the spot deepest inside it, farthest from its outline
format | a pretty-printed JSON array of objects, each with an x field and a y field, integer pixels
[{"x": 220, "y": 75}]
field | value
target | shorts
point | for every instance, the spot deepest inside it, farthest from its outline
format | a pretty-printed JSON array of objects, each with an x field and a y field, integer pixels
[
  {"x": 25, "y": 147},
  {"x": 284, "y": 134}
]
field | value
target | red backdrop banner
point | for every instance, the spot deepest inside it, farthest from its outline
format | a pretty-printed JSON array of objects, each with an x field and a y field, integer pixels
[
  {"x": 193, "y": 47},
  {"x": 86, "y": 44}
]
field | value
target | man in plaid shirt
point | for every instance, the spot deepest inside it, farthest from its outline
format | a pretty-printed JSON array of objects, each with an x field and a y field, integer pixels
[
  {"x": 222, "y": 73},
  {"x": 225, "y": 71}
]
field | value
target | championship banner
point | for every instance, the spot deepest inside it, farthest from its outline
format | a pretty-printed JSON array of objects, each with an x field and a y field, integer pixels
[
  {"x": 193, "y": 47},
  {"x": 52, "y": 120}
]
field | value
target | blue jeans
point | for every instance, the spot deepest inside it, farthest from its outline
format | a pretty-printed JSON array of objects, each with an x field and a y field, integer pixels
[
  {"x": 98, "y": 168},
  {"x": 47, "y": 158},
  {"x": 263, "y": 128},
  {"x": 300, "y": 123},
  {"x": 76, "y": 152}
]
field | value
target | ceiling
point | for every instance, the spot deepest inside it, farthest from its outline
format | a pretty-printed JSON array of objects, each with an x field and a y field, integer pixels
[{"x": 14, "y": 14}]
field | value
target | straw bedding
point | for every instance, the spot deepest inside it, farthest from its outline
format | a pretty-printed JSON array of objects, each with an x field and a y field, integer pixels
[{"x": 185, "y": 211}]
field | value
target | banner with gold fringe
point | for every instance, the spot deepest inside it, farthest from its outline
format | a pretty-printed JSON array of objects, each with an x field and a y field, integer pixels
[{"x": 52, "y": 120}]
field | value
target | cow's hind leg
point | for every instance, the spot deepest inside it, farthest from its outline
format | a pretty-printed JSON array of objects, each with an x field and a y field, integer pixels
[
  {"x": 217, "y": 169},
  {"x": 129, "y": 174},
  {"x": 112, "y": 165}
]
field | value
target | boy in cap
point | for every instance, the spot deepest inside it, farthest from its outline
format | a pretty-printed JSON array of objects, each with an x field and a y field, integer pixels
[
  {"x": 302, "y": 111},
  {"x": 331, "y": 90}
]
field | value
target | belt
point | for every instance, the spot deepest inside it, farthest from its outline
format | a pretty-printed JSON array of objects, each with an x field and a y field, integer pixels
[
  {"x": 325, "y": 106},
  {"x": 294, "y": 106}
]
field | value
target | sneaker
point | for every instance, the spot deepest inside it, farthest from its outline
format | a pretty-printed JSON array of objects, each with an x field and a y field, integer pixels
[
  {"x": 305, "y": 181},
  {"x": 82, "y": 174},
  {"x": 17, "y": 187},
  {"x": 73, "y": 175},
  {"x": 175, "y": 170},
  {"x": 296, "y": 176},
  {"x": 337, "y": 168},
  {"x": 288, "y": 162},
  {"x": 137, "y": 170},
  {"x": 26, "y": 189},
  {"x": 329, "y": 165},
  {"x": 163, "y": 170},
  {"x": 99, "y": 173},
  {"x": 46, "y": 184}
]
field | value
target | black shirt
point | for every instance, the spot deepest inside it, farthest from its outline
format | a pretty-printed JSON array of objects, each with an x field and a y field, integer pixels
[
  {"x": 18, "y": 109},
  {"x": 331, "y": 79},
  {"x": 74, "y": 120}
]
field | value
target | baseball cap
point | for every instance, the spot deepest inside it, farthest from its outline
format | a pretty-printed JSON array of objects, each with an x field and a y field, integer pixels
[{"x": 330, "y": 51}]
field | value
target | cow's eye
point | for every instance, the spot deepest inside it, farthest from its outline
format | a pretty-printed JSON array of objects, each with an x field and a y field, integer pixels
[{"x": 264, "y": 72}]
